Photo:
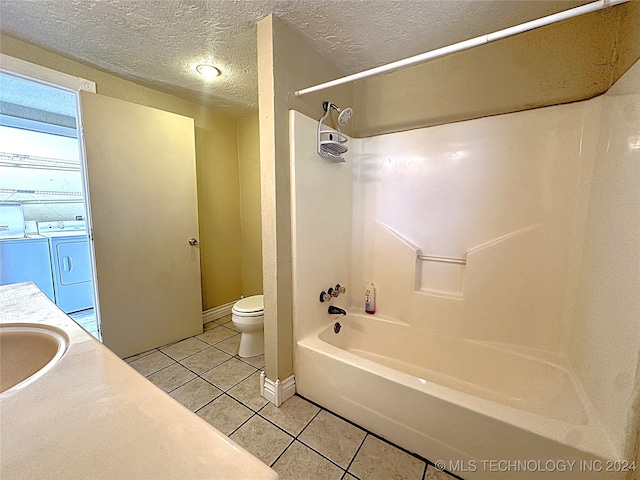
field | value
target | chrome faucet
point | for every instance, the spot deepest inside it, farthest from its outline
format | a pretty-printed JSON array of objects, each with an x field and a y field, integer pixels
[
  {"x": 332, "y": 293},
  {"x": 336, "y": 310}
]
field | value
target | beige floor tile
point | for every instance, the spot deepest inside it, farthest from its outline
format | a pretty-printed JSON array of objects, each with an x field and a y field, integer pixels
[
  {"x": 184, "y": 348},
  {"x": 228, "y": 374},
  {"x": 257, "y": 361},
  {"x": 205, "y": 360},
  {"x": 292, "y": 416},
  {"x": 227, "y": 322},
  {"x": 139, "y": 355},
  {"x": 230, "y": 345},
  {"x": 225, "y": 414},
  {"x": 434, "y": 474},
  {"x": 196, "y": 394},
  {"x": 171, "y": 377},
  {"x": 232, "y": 327},
  {"x": 151, "y": 363},
  {"x": 263, "y": 439},
  {"x": 216, "y": 334},
  {"x": 378, "y": 460},
  {"x": 333, "y": 437},
  {"x": 248, "y": 392},
  {"x": 299, "y": 462},
  {"x": 224, "y": 320},
  {"x": 209, "y": 326}
]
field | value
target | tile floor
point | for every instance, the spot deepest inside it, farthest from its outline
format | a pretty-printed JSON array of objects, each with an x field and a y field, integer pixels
[
  {"x": 87, "y": 320},
  {"x": 300, "y": 440}
]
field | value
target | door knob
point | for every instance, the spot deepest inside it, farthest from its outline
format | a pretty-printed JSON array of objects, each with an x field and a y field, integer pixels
[{"x": 193, "y": 241}]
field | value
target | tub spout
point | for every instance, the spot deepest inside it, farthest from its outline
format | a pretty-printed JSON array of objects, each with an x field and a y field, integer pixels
[{"x": 336, "y": 310}]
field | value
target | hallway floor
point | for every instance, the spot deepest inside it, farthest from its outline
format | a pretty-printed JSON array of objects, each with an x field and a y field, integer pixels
[
  {"x": 300, "y": 440},
  {"x": 87, "y": 320}
]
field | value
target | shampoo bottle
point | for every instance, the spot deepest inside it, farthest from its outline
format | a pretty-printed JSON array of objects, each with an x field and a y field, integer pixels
[{"x": 370, "y": 298}]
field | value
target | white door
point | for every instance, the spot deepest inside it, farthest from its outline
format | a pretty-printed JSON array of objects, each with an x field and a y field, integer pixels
[{"x": 142, "y": 192}]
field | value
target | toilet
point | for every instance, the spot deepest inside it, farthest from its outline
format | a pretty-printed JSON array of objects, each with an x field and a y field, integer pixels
[{"x": 248, "y": 317}]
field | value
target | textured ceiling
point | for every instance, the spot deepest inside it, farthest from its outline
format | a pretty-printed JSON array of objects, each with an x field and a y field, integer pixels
[{"x": 157, "y": 42}]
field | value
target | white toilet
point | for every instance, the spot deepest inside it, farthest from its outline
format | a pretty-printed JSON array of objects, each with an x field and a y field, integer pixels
[{"x": 248, "y": 317}]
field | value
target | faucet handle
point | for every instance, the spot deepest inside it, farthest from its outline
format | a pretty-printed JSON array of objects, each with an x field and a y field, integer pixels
[
  {"x": 340, "y": 289},
  {"x": 324, "y": 297}
]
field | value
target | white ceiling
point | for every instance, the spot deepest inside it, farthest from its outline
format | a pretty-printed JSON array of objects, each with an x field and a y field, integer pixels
[{"x": 156, "y": 42}]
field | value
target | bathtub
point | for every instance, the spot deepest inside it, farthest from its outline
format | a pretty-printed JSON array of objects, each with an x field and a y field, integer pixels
[{"x": 476, "y": 406}]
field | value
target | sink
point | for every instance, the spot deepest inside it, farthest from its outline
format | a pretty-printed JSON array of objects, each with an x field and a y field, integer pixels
[{"x": 27, "y": 351}]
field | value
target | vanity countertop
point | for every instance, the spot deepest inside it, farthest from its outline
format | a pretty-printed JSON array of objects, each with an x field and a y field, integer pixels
[{"x": 93, "y": 416}]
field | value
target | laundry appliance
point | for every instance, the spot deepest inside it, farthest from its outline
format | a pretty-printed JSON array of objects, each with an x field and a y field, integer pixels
[
  {"x": 71, "y": 264},
  {"x": 23, "y": 258}
]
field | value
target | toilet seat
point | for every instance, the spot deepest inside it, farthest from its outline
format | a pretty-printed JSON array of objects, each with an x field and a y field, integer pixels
[{"x": 249, "y": 307}]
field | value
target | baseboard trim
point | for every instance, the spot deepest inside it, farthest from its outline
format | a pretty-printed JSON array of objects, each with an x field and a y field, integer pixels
[
  {"x": 277, "y": 392},
  {"x": 217, "y": 312}
]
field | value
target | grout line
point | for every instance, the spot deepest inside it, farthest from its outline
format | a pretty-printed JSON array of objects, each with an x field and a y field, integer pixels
[
  {"x": 191, "y": 380},
  {"x": 147, "y": 353},
  {"x": 253, "y": 413},
  {"x": 356, "y": 454},
  {"x": 308, "y": 423},
  {"x": 296, "y": 438},
  {"x": 155, "y": 371},
  {"x": 208, "y": 403},
  {"x": 415, "y": 455},
  {"x": 321, "y": 454},
  {"x": 282, "y": 453},
  {"x": 200, "y": 351}
]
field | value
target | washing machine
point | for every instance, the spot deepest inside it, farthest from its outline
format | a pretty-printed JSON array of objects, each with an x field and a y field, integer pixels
[
  {"x": 71, "y": 264},
  {"x": 26, "y": 259},
  {"x": 23, "y": 258}
]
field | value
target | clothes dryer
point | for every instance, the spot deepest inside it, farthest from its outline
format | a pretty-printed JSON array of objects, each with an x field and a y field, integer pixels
[{"x": 71, "y": 263}]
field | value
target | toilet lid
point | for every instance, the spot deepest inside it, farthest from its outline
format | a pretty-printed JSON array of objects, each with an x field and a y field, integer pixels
[{"x": 250, "y": 304}]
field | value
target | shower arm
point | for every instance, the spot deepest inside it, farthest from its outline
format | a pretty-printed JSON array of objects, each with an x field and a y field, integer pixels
[{"x": 465, "y": 45}]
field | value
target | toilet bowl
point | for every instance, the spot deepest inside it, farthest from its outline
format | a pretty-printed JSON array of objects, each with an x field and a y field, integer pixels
[{"x": 248, "y": 317}]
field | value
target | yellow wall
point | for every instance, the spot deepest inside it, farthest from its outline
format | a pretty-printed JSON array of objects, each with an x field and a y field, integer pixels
[
  {"x": 560, "y": 63},
  {"x": 249, "y": 172},
  {"x": 219, "y": 213},
  {"x": 286, "y": 63},
  {"x": 216, "y": 162}
]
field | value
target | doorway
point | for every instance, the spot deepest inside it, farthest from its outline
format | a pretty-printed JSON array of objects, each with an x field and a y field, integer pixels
[
  {"x": 138, "y": 180},
  {"x": 43, "y": 209}
]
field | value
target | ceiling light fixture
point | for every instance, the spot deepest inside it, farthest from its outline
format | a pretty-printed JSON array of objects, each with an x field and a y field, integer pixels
[{"x": 207, "y": 70}]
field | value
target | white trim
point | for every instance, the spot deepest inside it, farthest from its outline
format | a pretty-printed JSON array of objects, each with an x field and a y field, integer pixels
[
  {"x": 465, "y": 45},
  {"x": 45, "y": 75},
  {"x": 277, "y": 392},
  {"x": 217, "y": 312}
]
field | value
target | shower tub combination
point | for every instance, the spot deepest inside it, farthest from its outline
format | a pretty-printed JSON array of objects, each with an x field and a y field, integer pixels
[
  {"x": 487, "y": 408},
  {"x": 453, "y": 400}
]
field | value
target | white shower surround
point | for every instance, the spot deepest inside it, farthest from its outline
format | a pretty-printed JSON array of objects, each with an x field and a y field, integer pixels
[{"x": 543, "y": 205}]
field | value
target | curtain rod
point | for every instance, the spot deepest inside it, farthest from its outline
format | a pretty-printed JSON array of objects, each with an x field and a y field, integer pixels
[{"x": 465, "y": 45}]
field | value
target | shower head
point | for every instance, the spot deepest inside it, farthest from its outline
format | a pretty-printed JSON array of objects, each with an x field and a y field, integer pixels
[{"x": 344, "y": 116}]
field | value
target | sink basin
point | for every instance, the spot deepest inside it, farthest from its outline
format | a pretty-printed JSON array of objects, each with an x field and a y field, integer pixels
[{"x": 27, "y": 351}]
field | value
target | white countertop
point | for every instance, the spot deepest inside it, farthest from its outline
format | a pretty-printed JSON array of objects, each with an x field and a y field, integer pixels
[{"x": 93, "y": 417}]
